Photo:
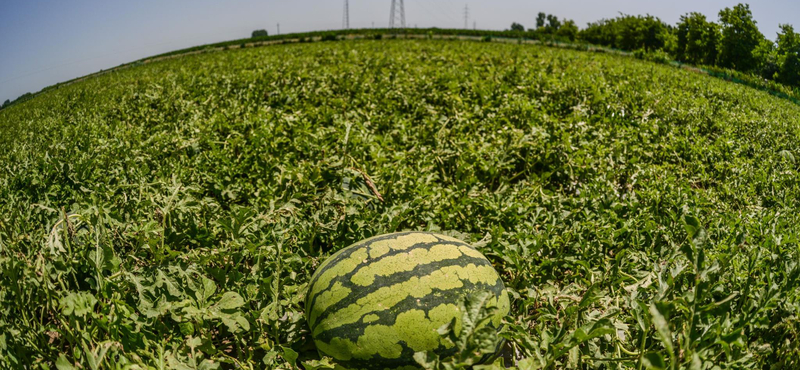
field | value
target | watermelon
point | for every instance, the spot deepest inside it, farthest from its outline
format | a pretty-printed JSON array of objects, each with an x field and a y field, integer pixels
[{"x": 375, "y": 303}]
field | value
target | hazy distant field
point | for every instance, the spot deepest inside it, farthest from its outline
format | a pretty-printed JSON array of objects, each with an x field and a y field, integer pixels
[{"x": 171, "y": 214}]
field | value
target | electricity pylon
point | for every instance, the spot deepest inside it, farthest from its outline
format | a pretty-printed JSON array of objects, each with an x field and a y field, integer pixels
[
  {"x": 346, "y": 16},
  {"x": 466, "y": 16},
  {"x": 397, "y": 17}
]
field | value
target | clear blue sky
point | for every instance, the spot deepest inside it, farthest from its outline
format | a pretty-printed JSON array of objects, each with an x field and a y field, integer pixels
[{"x": 43, "y": 42}]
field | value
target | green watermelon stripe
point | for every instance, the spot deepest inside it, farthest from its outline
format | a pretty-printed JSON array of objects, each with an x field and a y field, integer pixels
[
  {"x": 321, "y": 279},
  {"x": 358, "y": 292},
  {"x": 317, "y": 286},
  {"x": 321, "y": 285},
  {"x": 354, "y": 330},
  {"x": 317, "y": 279},
  {"x": 346, "y": 278},
  {"x": 343, "y": 253},
  {"x": 386, "y": 363},
  {"x": 386, "y": 297}
]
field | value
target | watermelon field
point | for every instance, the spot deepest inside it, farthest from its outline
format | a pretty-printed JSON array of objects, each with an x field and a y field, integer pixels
[{"x": 171, "y": 215}]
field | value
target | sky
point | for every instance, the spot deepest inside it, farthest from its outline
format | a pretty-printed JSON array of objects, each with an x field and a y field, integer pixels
[{"x": 43, "y": 42}]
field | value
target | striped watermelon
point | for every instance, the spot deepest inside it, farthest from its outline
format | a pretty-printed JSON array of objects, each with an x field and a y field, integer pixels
[{"x": 375, "y": 303}]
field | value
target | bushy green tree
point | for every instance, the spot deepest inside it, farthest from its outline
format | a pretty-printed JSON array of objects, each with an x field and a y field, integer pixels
[
  {"x": 553, "y": 24},
  {"x": 568, "y": 30},
  {"x": 629, "y": 32},
  {"x": 6, "y": 103},
  {"x": 740, "y": 38},
  {"x": 517, "y": 27},
  {"x": 768, "y": 62},
  {"x": 788, "y": 55},
  {"x": 697, "y": 40},
  {"x": 602, "y": 32},
  {"x": 540, "y": 19},
  {"x": 260, "y": 33}
]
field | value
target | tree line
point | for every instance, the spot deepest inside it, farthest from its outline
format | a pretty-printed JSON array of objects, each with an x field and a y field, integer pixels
[{"x": 732, "y": 42}]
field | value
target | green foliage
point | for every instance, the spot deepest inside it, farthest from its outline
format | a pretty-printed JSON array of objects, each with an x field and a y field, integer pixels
[
  {"x": 697, "y": 40},
  {"x": 788, "y": 55},
  {"x": 568, "y": 30},
  {"x": 659, "y": 56},
  {"x": 740, "y": 38},
  {"x": 540, "y": 20},
  {"x": 260, "y": 33},
  {"x": 169, "y": 216},
  {"x": 516, "y": 27},
  {"x": 628, "y": 32},
  {"x": 553, "y": 24}
]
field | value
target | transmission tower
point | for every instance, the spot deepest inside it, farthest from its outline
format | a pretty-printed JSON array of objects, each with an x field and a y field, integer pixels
[
  {"x": 466, "y": 16},
  {"x": 397, "y": 17},
  {"x": 346, "y": 16}
]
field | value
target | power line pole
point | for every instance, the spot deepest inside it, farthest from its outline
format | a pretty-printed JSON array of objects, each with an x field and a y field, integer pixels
[
  {"x": 474, "y": 25},
  {"x": 397, "y": 16},
  {"x": 346, "y": 17},
  {"x": 279, "y": 28},
  {"x": 466, "y": 17}
]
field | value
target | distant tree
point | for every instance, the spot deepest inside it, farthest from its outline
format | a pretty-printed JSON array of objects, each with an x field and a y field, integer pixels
[
  {"x": 788, "y": 56},
  {"x": 655, "y": 32},
  {"x": 6, "y": 103},
  {"x": 788, "y": 40},
  {"x": 697, "y": 40},
  {"x": 602, "y": 32},
  {"x": 260, "y": 33},
  {"x": 517, "y": 27},
  {"x": 629, "y": 32},
  {"x": 640, "y": 32},
  {"x": 768, "y": 62},
  {"x": 553, "y": 24},
  {"x": 670, "y": 40},
  {"x": 790, "y": 70},
  {"x": 540, "y": 19},
  {"x": 569, "y": 30},
  {"x": 740, "y": 38}
]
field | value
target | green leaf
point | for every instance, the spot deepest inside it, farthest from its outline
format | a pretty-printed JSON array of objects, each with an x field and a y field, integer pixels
[
  {"x": 593, "y": 330},
  {"x": 662, "y": 328},
  {"x": 208, "y": 289},
  {"x": 235, "y": 322},
  {"x": 208, "y": 365},
  {"x": 78, "y": 304},
  {"x": 324, "y": 363},
  {"x": 654, "y": 360},
  {"x": 290, "y": 355},
  {"x": 787, "y": 156},
  {"x": 230, "y": 301},
  {"x": 697, "y": 234},
  {"x": 63, "y": 364}
]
